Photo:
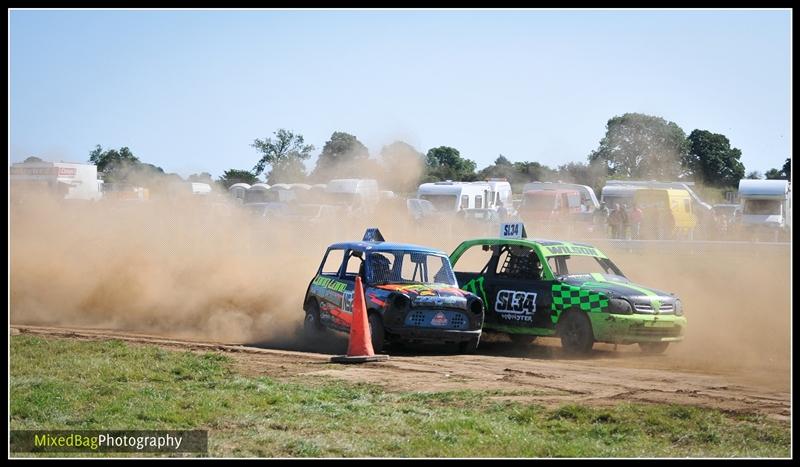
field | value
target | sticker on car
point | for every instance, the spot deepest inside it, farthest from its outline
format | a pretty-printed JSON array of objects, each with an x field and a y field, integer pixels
[{"x": 516, "y": 305}]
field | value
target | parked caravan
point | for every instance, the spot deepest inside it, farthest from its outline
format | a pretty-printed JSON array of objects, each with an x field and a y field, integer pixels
[
  {"x": 238, "y": 190},
  {"x": 452, "y": 196}
]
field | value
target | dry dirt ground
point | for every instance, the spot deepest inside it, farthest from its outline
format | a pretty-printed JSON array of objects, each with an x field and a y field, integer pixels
[{"x": 540, "y": 373}]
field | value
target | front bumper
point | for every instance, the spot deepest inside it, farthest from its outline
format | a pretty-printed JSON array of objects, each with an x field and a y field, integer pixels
[
  {"x": 435, "y": 336},
  {"x": 631, "y": 329}
]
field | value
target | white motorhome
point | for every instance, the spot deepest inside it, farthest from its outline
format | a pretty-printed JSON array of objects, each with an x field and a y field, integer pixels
[
  {"x": 766, "y": 204},
  {"x": 357, "y": 193},
  {"x": 452, "y": 196},
  {"x": 588, "y": 199},
  {"x": 65, "y": 179}
]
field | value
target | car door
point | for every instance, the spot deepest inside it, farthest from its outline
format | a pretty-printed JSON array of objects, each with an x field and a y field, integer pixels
[
  {"x": 329, "y": 290},
  {"x": 351, "y": 267},
  {"x": 518, "y": 296}
]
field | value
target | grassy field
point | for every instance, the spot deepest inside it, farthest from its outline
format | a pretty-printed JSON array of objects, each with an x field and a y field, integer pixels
[{"x": 70, "y": 384}]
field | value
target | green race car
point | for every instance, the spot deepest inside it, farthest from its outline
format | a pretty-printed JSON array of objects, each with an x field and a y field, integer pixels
[{"x": 536, "y": 288}]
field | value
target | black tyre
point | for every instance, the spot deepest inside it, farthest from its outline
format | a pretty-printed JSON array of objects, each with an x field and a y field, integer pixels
[
  {"x": 576, "y": 334},
  {"x": 470, "y": 346},
  {"x": 522, "y": 339},
  {"x": 653, "y": 347},
  {"x": 312, "y": 326},
  {"x": 376, "y": 331}
]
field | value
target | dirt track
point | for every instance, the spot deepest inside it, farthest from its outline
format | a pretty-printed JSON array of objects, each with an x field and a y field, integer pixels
[{"x": 539, "y": 374}]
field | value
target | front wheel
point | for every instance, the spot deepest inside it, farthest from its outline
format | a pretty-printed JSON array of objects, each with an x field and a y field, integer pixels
[
  {"x": 470, "y": 346},
  {"x": 576, "y": 334},
  {"x": 653, "y": 347},
  {"x": 376, "y": 332}
]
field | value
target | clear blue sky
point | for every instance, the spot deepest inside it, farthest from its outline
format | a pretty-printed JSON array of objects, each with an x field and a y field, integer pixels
[{"x": 190, "y": 90}]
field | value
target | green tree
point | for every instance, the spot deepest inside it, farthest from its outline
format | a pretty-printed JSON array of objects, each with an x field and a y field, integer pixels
[
  {"x": 231, "y": 176},
  {"x": 712, "y": 161},
  {"x": 111, "y": 161},
  {"x": 121, "y": 166},
  {"x": 446, "y": 163},
  {"x": 502, "y": 168},
  {"x": 784, "y": 173},
  {"x": 340, "y": 156},
  {"x": 754, "y": 175},
  {"x": 642, "y": 147},
  {"x": 285, "y": 154}
]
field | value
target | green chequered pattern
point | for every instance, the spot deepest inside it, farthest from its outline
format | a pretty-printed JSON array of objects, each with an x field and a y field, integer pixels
[{"x": 568, "y": 296}]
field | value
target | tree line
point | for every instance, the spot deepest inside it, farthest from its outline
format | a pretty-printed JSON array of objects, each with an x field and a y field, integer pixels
[{"x": 635, "y": 146}]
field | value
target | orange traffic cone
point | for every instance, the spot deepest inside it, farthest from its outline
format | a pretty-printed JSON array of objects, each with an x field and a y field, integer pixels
[{"x": 359, "y": 349}]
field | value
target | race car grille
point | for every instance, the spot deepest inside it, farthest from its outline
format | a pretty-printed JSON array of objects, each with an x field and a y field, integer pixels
[
  {"x": 437, "y": 319},
  {"x": 673, "y": 331},
  {"x": 665, "y": 309}
]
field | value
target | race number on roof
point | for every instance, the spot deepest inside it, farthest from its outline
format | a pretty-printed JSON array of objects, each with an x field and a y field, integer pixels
[{"x": 513, "y": 230}]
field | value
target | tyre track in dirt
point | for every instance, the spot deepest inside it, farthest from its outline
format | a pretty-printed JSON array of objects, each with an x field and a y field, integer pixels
[{"x": 543, "y": 376}]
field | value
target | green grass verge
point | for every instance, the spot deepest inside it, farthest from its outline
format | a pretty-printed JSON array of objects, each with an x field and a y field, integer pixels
[{"x": 68, "y": 384}]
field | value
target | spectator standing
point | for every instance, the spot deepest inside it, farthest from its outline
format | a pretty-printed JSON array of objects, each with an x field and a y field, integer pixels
[
  {"x": 615, "y": 221},
  {"x": 636, "y": 222}
]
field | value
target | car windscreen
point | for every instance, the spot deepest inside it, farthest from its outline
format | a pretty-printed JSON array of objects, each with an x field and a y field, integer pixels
[
  {"x": 441, "y": 202},
  {"x": 405, "y": 267},
  {"x": 580, "y": 265}
]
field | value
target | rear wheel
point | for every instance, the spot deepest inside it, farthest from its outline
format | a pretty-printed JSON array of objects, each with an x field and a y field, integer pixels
[
  {"x": 576, "y": 334},
  {"x": 522, "y": 339},
  {"x": 653, "y": 347},
  {"x": 376, "y": 332}
]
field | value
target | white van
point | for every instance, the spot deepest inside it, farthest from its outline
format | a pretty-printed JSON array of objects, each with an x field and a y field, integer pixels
[{"x": 357, "y": 193}]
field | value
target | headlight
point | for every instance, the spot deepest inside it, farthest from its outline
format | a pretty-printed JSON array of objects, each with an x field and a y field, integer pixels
[
  {"x": 619, "y": 306},
  {"x": 678, "y": 308}
]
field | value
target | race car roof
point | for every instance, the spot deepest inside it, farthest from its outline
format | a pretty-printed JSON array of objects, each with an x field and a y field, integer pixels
[
  {"x": 385, "y": 246},
  {"x": 551, "y": 247}
]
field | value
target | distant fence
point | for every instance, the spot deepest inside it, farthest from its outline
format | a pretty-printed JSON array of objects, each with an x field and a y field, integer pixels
[{"x": 694, "y": 247}]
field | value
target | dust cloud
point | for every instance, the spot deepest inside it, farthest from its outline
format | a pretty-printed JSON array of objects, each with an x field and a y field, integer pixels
[{"x": 206, "y": 268}]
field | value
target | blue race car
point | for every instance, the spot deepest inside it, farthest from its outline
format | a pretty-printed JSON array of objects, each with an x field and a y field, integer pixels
[{"x": 410, "y": 292}]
